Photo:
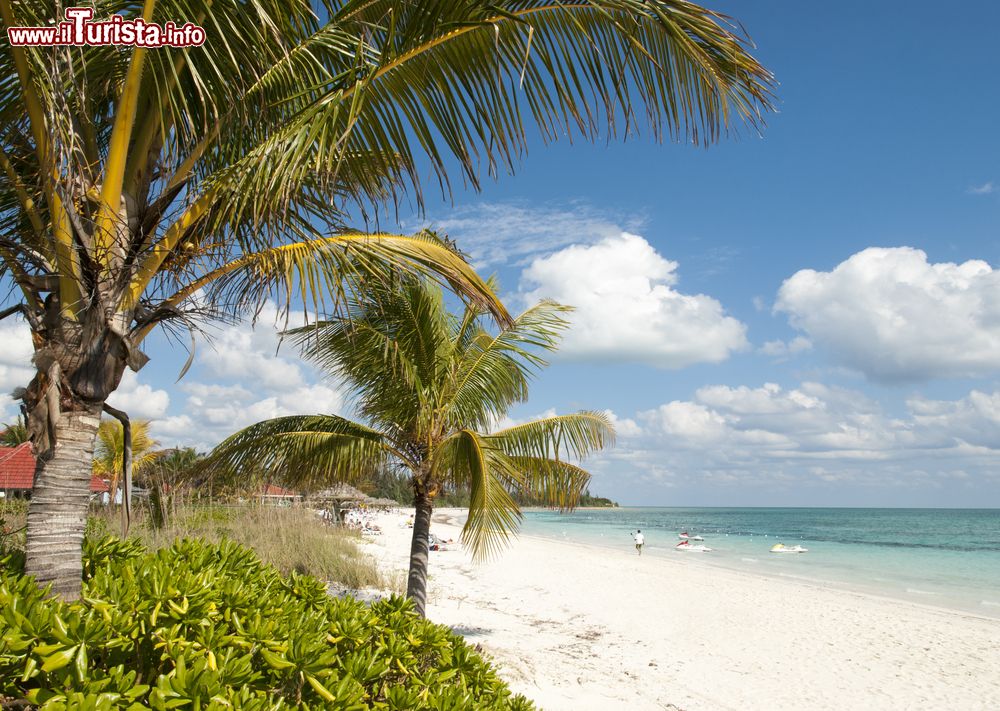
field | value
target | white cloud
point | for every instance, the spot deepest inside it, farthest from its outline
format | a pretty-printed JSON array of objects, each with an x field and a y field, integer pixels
[
  {"x": 16, "y": 338},
  {"x": 139, "y": 400},
  {"x": 237, "y": 379},
  {"x": 624, "y": 426},
  {"x": 244, "y": 352},
  {"x": 241, "y": 378},
  {"x": 201, "y": 392},
  {"x": 974, "y": 419},
  {"x": 781, "y": 350},
  {"x": 16, "y": 370},
  {"x": 749, "y": 424},
  {"x": 791, "y": 443},
  {"x": 176, "y": 429},
  {"x": 984, "y": 189},
  {"x": 494, "y": 234},
  {"x": 892, "y": 315},
  {"x": 688, "y": 422},
  {"x": 627, "y": 308},
  {"x": 819, "y": 421}
]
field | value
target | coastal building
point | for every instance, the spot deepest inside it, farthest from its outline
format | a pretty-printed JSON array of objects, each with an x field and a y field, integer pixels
[{"x": 17, "y": 473}]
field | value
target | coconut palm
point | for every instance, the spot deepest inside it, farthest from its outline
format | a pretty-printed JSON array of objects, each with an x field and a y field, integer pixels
[
  {"x": 109, "y": 453},
  {"x": 13, "y": 434},
  {"x": 155, "y": 187},
  {"x": 173, "y": 471},
  {"x": 429, "y": 386}
]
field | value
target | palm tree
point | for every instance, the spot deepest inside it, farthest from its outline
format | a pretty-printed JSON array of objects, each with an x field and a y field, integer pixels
[
  {"x": 109, "y": 453},
  {"x": 174, "y": 470},
  {"x": 156, "y": 187},
  {"x": 429, "y": 386},
  {"x": 13, "y": 434}
]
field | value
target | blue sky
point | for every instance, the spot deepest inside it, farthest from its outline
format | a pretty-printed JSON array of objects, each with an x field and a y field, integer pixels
[{"x": 807, "y": 317}]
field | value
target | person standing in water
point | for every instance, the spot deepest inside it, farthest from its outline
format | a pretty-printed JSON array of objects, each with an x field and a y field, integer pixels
[{"x": 639, "y": 540}]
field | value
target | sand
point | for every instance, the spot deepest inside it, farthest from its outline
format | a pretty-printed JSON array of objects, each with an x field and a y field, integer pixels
[{"x": 581, "y": 627}]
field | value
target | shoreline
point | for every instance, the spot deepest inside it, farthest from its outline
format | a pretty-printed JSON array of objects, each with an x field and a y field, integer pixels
[
  {"x": 779, "y": 578},
  {"x": 931, "y": 571},
  {"x": 831, "y": 585},
  {"x": 579, "y": 626},
  {"x": 454, "y": 517}
]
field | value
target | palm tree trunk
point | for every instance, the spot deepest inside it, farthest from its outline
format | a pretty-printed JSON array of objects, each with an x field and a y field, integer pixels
[
  {"x": 57, "y": 514},
  {"x": 416, "y": 583}
]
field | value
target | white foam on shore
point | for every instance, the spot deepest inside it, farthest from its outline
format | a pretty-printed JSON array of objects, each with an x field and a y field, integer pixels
[
  {"x": 750, "y": 560},
  {"x": 990, "y": 603},
  {"x": 808, "y": 579},
  {"x": 916, "y": 591}
]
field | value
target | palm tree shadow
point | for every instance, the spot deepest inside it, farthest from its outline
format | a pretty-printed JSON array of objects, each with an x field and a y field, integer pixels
[{"x": 470, "y": 631}]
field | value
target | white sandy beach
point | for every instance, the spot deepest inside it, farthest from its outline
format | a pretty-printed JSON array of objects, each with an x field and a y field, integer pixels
[{"x": 580, "y": 627}]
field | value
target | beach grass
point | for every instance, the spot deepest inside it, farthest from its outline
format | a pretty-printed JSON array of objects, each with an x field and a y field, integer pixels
[{"x": 289, "y": 538}]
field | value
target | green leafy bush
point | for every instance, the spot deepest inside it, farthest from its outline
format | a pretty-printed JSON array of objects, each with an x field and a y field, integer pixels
[{"x": 200, "y": 626}]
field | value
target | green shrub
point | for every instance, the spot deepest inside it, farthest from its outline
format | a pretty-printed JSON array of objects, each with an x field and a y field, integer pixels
[
  {"x": 290, "y": 539},
  {"x": 200, "y": 626}
]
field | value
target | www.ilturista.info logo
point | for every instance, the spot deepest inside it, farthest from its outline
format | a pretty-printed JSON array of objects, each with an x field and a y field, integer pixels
[{"x": 78, "y": 30}]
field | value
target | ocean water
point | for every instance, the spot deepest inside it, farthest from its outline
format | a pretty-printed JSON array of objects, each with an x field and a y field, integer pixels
[{"x": 944, "y": 557}]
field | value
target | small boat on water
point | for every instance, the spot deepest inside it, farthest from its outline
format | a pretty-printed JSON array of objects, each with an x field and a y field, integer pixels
[
  {"x": 782, "y": 548},
  {"x": 685, "y": 537},
  {"x": 688, "y": 548}
]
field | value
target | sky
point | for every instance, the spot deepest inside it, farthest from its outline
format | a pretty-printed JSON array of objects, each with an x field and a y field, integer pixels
[{"x": 805, "y": 317}]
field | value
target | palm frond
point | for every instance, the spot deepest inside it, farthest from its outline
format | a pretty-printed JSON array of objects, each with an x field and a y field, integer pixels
[
  {"x": 493, "y": 369},
  {"x": 295, "y": 115},
  {"x": 330, "y": 273},
  {"x": 109, "y": 452},
  {"x": 394, "y": 350},
  {"x": 458, "y": 79},
  {"x": 559, "y": 437},
  {"x": 470, "y": 460},
  {"x": 302, "y": 451},
  {"x": 554, "y": 483}
]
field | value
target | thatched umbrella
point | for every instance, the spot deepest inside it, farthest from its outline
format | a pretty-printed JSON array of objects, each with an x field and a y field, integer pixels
[{"x": 337, "y": 496}]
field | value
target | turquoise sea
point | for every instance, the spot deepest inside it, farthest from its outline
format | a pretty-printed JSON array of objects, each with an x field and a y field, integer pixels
[{"x": 944, "y": 557}]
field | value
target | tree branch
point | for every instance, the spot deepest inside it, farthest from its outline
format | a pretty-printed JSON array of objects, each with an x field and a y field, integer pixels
[
  {"x": 16, "y": 308},
  {"x": 126, "y": 466}
]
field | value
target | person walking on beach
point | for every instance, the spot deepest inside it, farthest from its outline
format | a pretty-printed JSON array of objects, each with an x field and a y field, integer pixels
[{"x": 639, "y": 540}]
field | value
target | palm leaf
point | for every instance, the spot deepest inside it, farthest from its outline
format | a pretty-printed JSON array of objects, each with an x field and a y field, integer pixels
[
  {"x": 331, "y": 273},
  {"x": 392, "y": 349},
  {"x": 109, "y": 451},
  {"x": 554, "y": 483},
  {"x": 466, "y": 459},
  {"x": 303, "y": 451},
  {"x": 560, "y": 437},
  {"x": 492, "y": 370}
]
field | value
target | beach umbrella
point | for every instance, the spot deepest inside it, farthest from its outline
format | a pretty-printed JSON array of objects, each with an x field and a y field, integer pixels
[{"x": 339, "y": 495}]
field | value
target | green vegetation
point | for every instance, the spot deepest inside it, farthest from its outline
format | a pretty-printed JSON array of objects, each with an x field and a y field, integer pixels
[
  {"x": 14, "y": 433},
  {"x": 13, "y": 519},
  {"x": 290, "y": 539},
  {"x": 109, "y": 452},
  {"x": 430, "y": 386},
  {"x": 586, "y": 499},
  {"x": 211, "y": 627}
]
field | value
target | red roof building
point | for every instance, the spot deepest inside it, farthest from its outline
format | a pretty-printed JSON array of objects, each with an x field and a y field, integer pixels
[
  {"x": 17, "y": 467},
  {"x": 17, "y": 471},
  {"x": 99, "y": 485},
  {"x": 276, "y": 492}
]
